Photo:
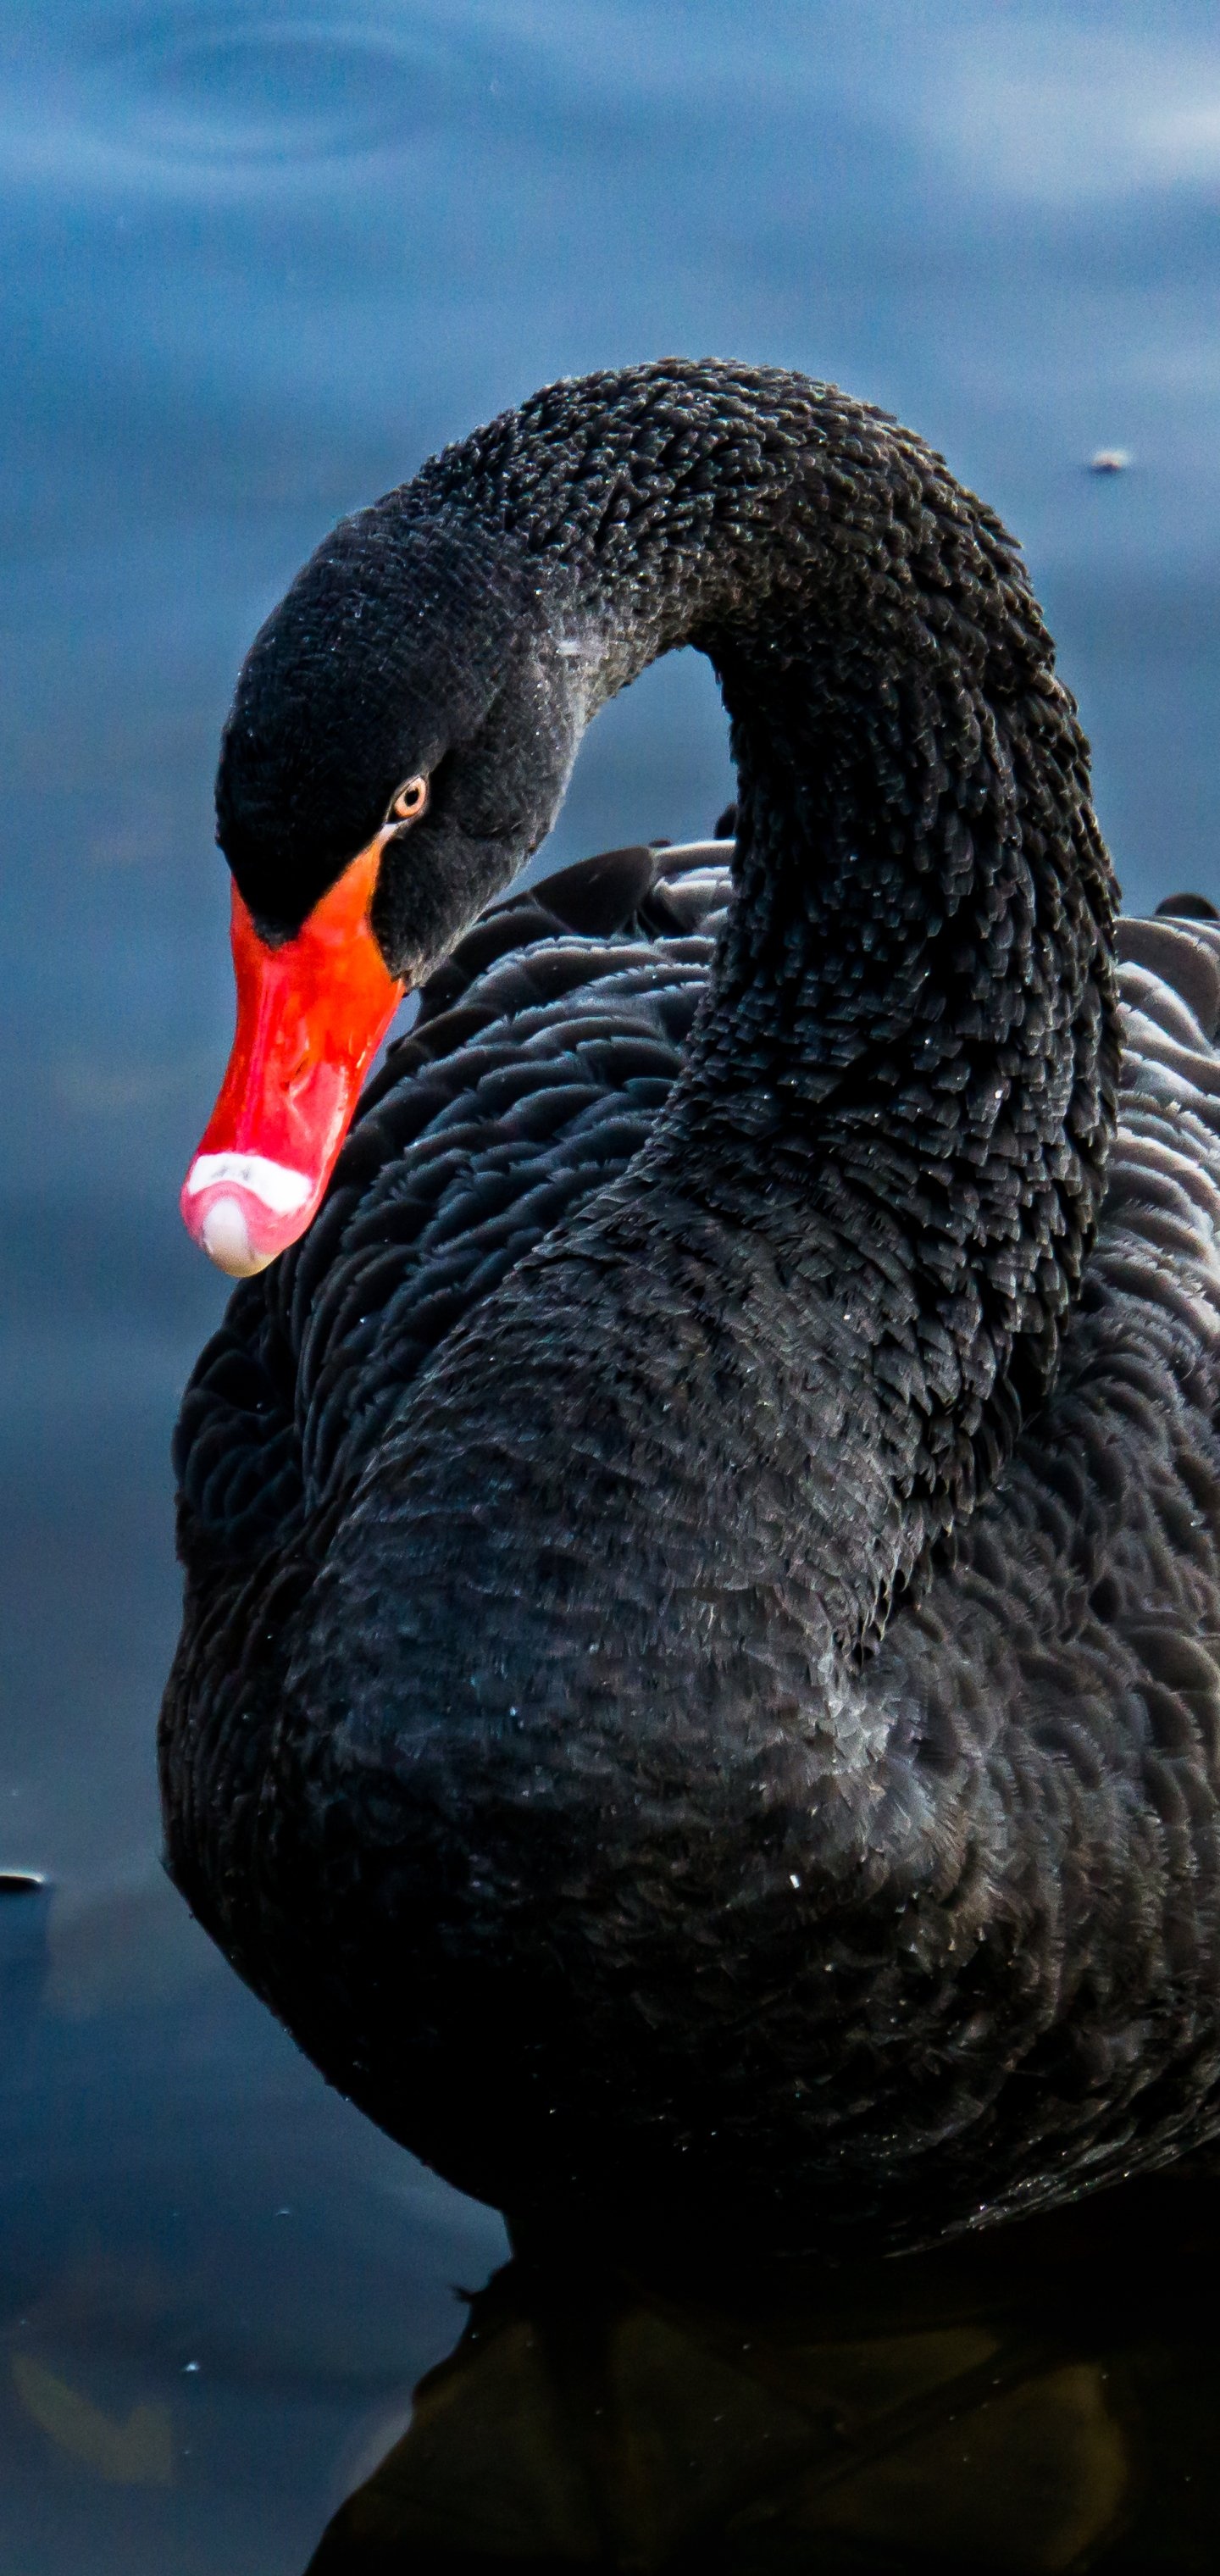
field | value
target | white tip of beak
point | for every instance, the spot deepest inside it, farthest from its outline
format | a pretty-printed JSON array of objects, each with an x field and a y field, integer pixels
[{"x": 226, "y": 1240}]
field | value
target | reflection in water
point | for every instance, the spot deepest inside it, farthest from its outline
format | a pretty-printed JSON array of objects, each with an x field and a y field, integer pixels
[
  {"x": 1040, "y": 2398},
  {"x": 217, "y": 2283}
]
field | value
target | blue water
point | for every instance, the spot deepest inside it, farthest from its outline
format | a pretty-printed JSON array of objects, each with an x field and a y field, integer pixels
[{"x": 257, "y": 262}]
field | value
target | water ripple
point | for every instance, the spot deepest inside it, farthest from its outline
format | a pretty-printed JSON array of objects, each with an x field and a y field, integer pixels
[{"x": 213, "y": 89}]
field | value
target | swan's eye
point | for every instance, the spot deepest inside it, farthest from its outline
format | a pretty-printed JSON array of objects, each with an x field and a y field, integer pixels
[{"x": 410, "y": 801}]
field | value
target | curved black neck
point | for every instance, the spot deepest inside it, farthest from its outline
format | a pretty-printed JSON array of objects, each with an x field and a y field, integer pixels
[
  {"x": 911, "y": 1019},
  {"x": 904, "y": 1073}
]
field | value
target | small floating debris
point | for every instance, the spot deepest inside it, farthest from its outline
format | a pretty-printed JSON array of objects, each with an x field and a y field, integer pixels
[
  {"x": 1110, "y": 460},
  {"x": 21, "y": 1882}
]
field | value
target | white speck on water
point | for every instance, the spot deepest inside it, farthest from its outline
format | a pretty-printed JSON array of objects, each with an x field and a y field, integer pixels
[
  {"x": 188, "y": 2367},
  {"x": 793, "y": 1880},
  {"x": 1110, "y": 460}
]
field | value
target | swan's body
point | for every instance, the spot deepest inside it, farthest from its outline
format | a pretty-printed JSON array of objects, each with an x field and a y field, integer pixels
[{"x": 702, "y": 1662}]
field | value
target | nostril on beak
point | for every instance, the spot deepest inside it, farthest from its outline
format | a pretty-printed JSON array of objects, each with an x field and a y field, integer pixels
[{"x": 294, "y": 1073}]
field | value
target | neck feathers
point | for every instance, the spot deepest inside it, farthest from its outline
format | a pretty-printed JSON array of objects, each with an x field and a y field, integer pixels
[
  {"x": 904, "y": 1075},
  {"x": 907, "y": 1063}
]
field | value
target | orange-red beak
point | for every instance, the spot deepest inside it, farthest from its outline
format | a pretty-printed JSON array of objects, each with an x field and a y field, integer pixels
[{"x": 310, "y": 1018}]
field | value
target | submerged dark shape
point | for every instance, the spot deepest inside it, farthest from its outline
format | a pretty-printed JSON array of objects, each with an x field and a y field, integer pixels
[
  {"x": 1042, "y": 2400},
  {"x": 698, "y": 1690}
]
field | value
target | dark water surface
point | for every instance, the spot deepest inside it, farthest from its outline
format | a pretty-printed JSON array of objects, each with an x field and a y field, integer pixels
[{"x": 256, "y": 264}]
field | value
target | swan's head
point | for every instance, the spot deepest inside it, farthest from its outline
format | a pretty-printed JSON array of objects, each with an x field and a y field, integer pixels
[{"x": 399, "y": 744}]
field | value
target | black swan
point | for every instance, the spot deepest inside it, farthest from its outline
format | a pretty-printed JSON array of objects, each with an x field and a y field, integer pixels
[{"x": 699, "y": 1684}]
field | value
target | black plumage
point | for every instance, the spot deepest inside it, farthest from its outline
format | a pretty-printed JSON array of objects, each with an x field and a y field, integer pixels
[{"x": 699, "y": 1684}]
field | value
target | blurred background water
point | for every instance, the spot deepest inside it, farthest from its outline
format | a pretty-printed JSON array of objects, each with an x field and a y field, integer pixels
[{"x": 257, "y": 263}]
